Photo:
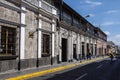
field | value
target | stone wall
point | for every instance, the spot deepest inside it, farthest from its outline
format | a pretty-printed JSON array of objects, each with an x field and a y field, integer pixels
[
  {"x": 12, "y": 14},
  {"x": 56, "y": 43},
  {"x": 8, "y": 65},
  {"x": 64, "y": 33},
  {"x": 30, "y": 42},
  {"x": 28, "y": 63},
  {"x": 46, "y": 26},
  {"x": 74, "y": 38},
  {"x": 44, "y": 61},
  {"x": 9, "y": 14}
]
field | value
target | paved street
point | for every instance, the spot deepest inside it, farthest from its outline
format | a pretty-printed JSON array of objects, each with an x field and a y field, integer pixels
[{"x": 102, "y": 70}]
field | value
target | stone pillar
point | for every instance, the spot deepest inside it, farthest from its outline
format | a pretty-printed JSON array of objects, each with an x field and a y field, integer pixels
[
  {"x": 85, "y": 46},
  {"x": 102, "y": 50},
  {"x": 69, "y": 48},
  {"x": 82, "y": 41},
  {"x": 94, "y": 47},
  {"x": 90, "y": 45},
  {"x": 80, "y": 55},
  {"x": 98, "y": 51},
  {"x": 53, "y": 42},
  {"x": 78, "y": 46},
  {"x": 22, "y": 33},
  {"x": 94, "y": 50},
  {"x": 60, "y": 46},
  {"x": 39, "y": 35},
  {"x": 53, "y": 39},
  {"x": 53, "y": 34},
  {"x": 39, "y": 38}
]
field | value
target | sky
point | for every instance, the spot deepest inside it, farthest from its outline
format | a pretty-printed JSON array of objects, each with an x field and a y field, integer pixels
[{"x": 103, "y": 13}]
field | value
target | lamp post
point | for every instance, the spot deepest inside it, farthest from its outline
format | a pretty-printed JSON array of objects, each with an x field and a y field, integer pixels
[{"x": 87, "y": 16}]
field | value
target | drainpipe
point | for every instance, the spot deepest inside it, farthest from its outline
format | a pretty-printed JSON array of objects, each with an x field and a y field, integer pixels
[
  {"x": 39, "y": 37},
  {"x": 19, "y": 61}
]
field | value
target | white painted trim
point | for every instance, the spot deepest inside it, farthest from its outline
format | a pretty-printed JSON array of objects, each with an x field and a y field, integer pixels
[
  {"x": 22, "y": 43},
  {"x": 54, "y": 11},
  {"x": 72, "y": 46},
  {"x": 53, "y": 39},
  {"x": 53, "y": 44},
  {"x": 39, "y": 4},
  {"x": 87, "y": 40},
  {"x": 23, "y": 15},
  {"x": 80, "y": 47},
  {"x": 22, "y": 34},
  {"x": 80, "y": 77},
  {"x": 82, "y": 38},
  {"x": 39, "y": 39}
]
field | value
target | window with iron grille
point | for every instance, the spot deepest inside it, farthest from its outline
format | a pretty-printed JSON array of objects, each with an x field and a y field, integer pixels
[{"x": 7, "y": 41}]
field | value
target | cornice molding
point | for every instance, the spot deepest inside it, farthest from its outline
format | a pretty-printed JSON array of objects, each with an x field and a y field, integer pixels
[{"x": 12, "y": 23}]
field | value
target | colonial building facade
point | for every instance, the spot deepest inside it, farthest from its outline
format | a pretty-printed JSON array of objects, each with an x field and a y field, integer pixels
[
  {"x": 36, "y": 33},
  {"x": 112, "y": 48},
  {"x": 101, "y": 43},
  {"x": 27, "y": 33},
  {"x": 76, "y": 36}
]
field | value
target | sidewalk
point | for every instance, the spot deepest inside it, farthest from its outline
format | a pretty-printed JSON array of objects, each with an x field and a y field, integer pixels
[{"x": 34, "y": 72}]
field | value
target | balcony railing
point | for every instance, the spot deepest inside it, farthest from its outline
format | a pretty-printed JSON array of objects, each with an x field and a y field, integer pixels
[
  {"x": 77, "y": 25},
  {"x": 84, "y": 28},
  {"x": 67, "y": 20},
  {"x": 44, "y": 5},
  {"x": 34, "y": 2}
]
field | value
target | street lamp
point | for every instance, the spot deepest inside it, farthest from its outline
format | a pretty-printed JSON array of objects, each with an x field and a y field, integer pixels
[{"x": 87, "y": 16}]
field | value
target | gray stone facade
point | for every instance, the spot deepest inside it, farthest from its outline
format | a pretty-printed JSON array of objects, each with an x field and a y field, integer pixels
[
  {"x": 36, "y": 25},
  {"x": 31, "y": 26},
  {"x": 11, "y": 15}
]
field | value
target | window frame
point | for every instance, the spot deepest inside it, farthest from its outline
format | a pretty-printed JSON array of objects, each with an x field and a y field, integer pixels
[{"x": 46, "y": 44}]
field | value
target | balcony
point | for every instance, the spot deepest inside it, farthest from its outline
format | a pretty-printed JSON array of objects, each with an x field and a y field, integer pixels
[
  {"x": 34, "y": 2},
  {"x": 67, "y": 20},
  {"x": 76, "y": 25},
  {"x": 84, "y": 28},
  {"x": 44, "y": 5}
]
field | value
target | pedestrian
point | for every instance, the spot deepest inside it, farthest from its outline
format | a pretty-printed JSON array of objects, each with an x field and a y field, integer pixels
[
  {"x": 87, "y": 56},
  {"x": 111, "y": 56},
  {"x": 90, "y": 55}
]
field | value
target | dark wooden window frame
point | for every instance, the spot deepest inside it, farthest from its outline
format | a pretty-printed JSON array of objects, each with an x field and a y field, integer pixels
[
  {"x": 46, "y": 39},
  {"x": 7, "y": 43}
]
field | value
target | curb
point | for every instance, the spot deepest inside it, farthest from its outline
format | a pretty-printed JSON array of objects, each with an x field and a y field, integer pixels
[{"x": 32, "y": 75}]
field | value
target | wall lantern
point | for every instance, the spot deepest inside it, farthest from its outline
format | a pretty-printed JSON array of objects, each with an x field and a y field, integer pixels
[{"x": 31, "y": 34}]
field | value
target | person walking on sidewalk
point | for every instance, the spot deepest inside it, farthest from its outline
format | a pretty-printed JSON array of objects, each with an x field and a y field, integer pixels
[
  {"x": 88, "y": 55},
  {"x": 111, "y": 56}
]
